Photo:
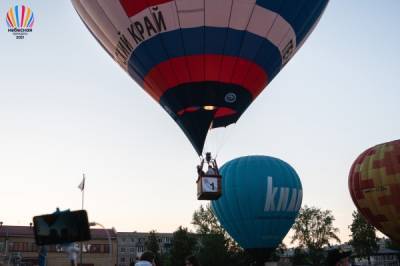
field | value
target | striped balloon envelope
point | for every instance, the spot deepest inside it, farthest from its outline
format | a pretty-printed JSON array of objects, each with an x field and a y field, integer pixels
[
  {"x": 20, "y": 17},
  {"x": 204, "y": 61},
  {"x": 374, "y": 184}
]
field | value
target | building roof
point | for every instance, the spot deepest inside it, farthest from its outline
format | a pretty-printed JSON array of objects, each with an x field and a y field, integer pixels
[
  {"x": 141, "y": 234},
  {"x": 102, "y": 234},
  {"x": 14, "y": 230},
  {"x": 387, "y": 251},
  {"x": 27, "y": 231}
]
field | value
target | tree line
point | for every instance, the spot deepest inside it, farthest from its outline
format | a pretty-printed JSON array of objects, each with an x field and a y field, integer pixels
[{"x": 313, "y": 230}]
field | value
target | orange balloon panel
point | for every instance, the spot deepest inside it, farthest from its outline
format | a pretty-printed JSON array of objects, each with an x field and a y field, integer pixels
[{"x": 374, "y": 184}]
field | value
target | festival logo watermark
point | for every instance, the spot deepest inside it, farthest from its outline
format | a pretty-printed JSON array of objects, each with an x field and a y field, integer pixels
[{"x": 20, "y": 21}]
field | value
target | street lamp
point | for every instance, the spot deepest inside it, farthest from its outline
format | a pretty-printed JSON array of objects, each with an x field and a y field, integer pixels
[{"x": 108, "y": 236}]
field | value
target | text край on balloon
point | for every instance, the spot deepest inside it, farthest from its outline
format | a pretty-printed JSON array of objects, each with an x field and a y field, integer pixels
[{"x": 204, "y": 61}]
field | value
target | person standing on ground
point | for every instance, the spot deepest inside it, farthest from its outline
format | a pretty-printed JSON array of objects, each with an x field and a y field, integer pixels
[{"x": 147, "y": 259}]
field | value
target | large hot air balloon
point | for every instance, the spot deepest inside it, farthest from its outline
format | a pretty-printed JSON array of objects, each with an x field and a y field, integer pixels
[
  {"x": 374, "y": 184},
  {"x": 204, "y": 61},
  {"x": 261, "y": 199}
]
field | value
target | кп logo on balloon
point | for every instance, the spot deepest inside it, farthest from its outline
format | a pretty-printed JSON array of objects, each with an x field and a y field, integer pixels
[{"x": 285, "y": 193}]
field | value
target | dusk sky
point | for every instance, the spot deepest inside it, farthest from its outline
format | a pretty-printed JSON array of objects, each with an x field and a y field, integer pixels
[{"x": 67, "y": 108}]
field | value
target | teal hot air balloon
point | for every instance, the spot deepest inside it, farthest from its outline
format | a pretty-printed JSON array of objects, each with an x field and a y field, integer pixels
[{"x": 262, "y": 197}]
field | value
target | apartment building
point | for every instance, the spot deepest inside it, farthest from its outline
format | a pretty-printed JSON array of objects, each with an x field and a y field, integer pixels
[
  {"x": 17, "y": 247},
  {"x": 132, "y": 244}
]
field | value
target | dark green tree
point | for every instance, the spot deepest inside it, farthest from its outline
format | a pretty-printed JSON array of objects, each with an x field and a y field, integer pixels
[
  {"x": 205, "y": 222},
  {"x": 152, "y": 242},
  {"x": 313, "y": 229},
  {"x": 240, "y": 258},
  {"x": 183, "y": 244},
  {"x": 279, "y": 251},
  {"x": 215, "y": 246},
  {"x": 212, "y": 250},
  {"x": 152, "y": 245},
  {"x": 300, "y": 257},
  {"x": 363, "y": 237}
]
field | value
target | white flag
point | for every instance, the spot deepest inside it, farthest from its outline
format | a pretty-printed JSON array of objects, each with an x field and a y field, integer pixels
[{"x": 82, "y": 184}]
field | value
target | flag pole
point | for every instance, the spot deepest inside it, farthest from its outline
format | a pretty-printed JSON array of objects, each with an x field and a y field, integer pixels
[
  {"x": 83, "y": 197},
  {"x": 83, "y": 190}
]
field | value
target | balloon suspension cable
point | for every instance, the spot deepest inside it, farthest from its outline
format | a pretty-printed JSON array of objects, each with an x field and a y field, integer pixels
[
  {"x": 225, "y": 137},
  {"x": 215, "y": 140}
]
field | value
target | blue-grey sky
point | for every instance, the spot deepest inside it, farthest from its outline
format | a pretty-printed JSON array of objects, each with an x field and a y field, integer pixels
[{"x": 67, "y": 108}]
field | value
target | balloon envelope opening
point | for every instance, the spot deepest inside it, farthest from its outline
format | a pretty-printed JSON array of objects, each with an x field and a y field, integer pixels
[{"x": 260, "y": 255}]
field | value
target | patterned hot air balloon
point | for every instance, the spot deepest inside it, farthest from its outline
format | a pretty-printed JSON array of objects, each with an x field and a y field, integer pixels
[
  {"x": 204, "y": 61},
  {"x": 261, "y": 199},
  {"x": 374, "y": 184}
]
